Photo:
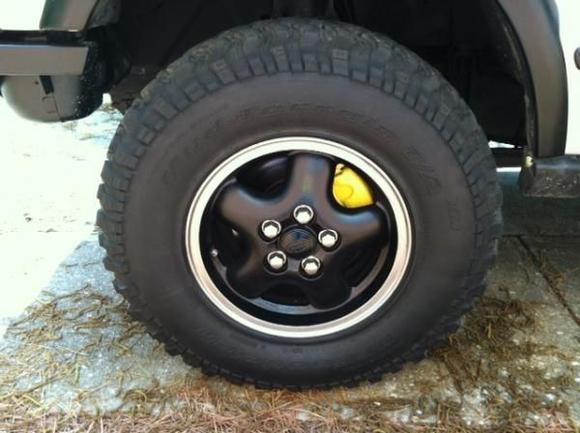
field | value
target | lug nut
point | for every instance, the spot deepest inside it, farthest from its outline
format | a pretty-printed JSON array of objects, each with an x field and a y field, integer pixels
[
  {"x": 276, "y": 260},
  {"x": 328, "y": 238},
  {"x": 311, "y": 266},
  {"x": 271, "y": 229},
  {"x": 303, "y": 214}
]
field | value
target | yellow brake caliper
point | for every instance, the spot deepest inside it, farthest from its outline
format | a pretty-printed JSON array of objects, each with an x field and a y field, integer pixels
[{"x": 350, "y": 189}]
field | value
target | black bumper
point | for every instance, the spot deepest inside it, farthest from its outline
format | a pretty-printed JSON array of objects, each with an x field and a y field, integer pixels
[{"x": 49, "y": 76}]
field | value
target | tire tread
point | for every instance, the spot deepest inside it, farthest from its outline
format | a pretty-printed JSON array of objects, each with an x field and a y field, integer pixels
[{"x": 301, "y": 46}]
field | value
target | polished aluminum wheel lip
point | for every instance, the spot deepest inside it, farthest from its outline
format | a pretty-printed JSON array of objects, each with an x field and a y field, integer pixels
[{"x": 304, "y": 144}]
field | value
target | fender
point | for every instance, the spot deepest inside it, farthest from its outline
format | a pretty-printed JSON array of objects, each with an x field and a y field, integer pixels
[
  {"x": 535, "y": 25},
  {"x": 570, "y": 35}
]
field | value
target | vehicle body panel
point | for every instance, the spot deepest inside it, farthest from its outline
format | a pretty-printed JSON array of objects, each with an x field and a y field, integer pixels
[
  {"x": 570, "y": 37},
  {"x": 535, "y": 28}
]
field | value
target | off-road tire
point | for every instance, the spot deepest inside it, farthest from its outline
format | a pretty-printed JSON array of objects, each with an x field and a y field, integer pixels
[{"x": 454, "y": 184}]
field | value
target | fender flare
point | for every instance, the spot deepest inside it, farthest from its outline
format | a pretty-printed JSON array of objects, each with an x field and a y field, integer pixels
[{"x": 535, "y": 28}]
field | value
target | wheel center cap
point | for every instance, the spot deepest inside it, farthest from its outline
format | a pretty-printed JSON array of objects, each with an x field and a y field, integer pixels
[{"x": 297, "y": 242}]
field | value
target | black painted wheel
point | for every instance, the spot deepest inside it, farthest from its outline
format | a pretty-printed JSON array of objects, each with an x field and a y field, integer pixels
[
  {"x": 225, "y": 232},
  {"x": 275, "y": 251}
]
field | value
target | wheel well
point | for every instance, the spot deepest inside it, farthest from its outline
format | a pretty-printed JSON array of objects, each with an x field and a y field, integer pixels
[{"x": 468, "y": 42}]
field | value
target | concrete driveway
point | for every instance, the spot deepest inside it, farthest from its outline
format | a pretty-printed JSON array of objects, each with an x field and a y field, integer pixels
[{"x": 72, "y": 360}]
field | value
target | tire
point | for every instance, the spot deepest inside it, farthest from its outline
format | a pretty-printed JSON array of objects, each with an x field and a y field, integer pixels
[{"x": 306, "y": 78}]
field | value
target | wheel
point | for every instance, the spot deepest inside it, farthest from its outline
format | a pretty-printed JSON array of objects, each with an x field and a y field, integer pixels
[{"x": 299, "y": 204}]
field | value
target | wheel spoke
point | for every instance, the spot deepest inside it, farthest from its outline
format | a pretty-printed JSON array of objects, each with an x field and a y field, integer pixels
[
  {"x": 329, "y": 291},
  {"x": 251, "y": 280},
  {"x": 361, "y": 228},
  {"x": 239, "y": 208},
  {"x": 310, "y": 179}
]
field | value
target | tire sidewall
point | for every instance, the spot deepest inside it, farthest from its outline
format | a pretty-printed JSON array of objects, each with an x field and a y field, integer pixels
[{"x": 400, "y": 141}]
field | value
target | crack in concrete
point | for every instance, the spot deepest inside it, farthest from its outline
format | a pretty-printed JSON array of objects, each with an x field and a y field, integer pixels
[{"x": 548, "y": 272}]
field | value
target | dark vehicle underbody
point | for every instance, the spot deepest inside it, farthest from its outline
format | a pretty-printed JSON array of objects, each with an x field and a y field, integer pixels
[{"x": 506, "y": 62}]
